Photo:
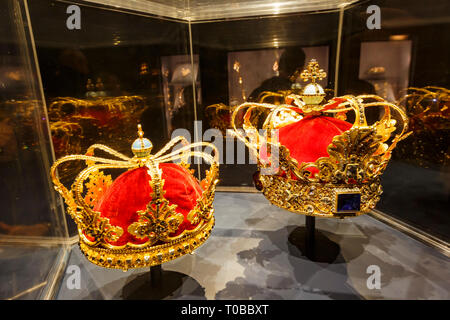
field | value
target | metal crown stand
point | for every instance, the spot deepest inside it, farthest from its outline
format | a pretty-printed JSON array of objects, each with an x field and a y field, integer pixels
[
  {"x": 310, "y": 236},
  {"x": 156, "y": 276}
]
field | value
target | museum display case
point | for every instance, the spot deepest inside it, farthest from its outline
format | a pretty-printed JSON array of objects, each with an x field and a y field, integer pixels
[{"x": 78, "y": 74}]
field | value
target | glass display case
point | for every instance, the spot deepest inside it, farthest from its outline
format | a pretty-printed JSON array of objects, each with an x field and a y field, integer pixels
[{"x": 78, "y": 73}]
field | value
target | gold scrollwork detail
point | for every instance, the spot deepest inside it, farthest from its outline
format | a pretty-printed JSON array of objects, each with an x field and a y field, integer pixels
[
  {"x": 101, "y": 230},
  {"x": 157, "y": 222}
]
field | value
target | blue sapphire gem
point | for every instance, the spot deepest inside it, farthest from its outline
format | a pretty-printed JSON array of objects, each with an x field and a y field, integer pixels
[{"x": 348, "y": 202}]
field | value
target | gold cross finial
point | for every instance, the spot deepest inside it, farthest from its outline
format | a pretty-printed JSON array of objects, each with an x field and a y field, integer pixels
[{"x": 312, "y": 72}]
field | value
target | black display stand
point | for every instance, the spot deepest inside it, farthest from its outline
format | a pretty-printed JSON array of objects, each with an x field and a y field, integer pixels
[
  {"x": 313, "y": 244},
  {"x": 310, "y": 236},
  {"x": 157, "y": 284},
  {"x": 156, "y": 276}
]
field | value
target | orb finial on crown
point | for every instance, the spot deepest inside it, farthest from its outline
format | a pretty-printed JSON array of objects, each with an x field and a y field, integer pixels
[
  {"x": 313, "y": 93},
  {"x": 141, "y": 147}
]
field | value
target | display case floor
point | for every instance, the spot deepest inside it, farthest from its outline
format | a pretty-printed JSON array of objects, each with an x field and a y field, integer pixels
[
  {"x": 256, "y": 251},
  {"x": 24, "y": 270}
]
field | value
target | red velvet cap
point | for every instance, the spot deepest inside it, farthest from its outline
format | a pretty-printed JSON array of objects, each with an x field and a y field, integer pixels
[
  {"x": 309, "y": 138},
  {"x": 131, "y": 192}
]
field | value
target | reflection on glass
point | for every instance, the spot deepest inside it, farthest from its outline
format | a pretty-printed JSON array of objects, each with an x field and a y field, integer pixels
[
  {"x": 110, "y": 119},
  {"x": 26, "y": 208},
  {"x": 251, "y": 73},
  {"x": 30, "y": 218},
  {"x": 387, "y": 72},
  {"x": 428, "y": 109},
  {"x": 406, "y": 62},
  {"x": 25, "y": 211},
  {"x": 178, "y": 74}
]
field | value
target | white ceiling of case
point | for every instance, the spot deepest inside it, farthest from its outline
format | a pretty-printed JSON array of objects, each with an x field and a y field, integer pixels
[{"x": 198, "y": 10}]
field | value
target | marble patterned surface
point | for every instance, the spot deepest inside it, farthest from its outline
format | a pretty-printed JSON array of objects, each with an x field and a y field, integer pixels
[{"x": 257, "y": 251}]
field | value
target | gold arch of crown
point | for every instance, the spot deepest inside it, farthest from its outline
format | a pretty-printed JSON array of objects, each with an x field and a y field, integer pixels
[
  {"x": 383, "y": 127},
  {"x": 157, "y": 222}
]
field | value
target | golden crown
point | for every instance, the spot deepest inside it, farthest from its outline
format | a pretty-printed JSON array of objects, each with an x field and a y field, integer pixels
[
  {"x": 156, "y": 225},
  {"x": 347, "y": 182}
]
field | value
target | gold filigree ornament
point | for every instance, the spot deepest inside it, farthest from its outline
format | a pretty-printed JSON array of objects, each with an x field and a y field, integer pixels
[
  {"x": 347, "y": 182},
  {"x": 158, "y": 223}
]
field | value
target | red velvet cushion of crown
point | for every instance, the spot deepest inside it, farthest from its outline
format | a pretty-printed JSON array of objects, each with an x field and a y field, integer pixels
[
  {"x": 131, "y": 192},
  {"x": 308, "y": 139}
]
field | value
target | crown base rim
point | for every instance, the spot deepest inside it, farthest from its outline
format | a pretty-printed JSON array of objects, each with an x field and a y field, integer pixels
[
  {"x": 276, "y": 189},
  {"x": 125, "y": 259}
]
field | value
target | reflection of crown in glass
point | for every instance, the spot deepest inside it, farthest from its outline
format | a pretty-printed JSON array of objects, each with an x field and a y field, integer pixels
[
  {"x": 154, "y": 212},
  {"x": 376, "y": 70},
  {"x": 219, "y": 116},
  {"x": 429, "y": 106},
  {"x": 428, "y": 110},
  {"x": 312, "y": 94},
  {"x": 74, "y": 121},
  {"x": 324, "y": 166}
]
